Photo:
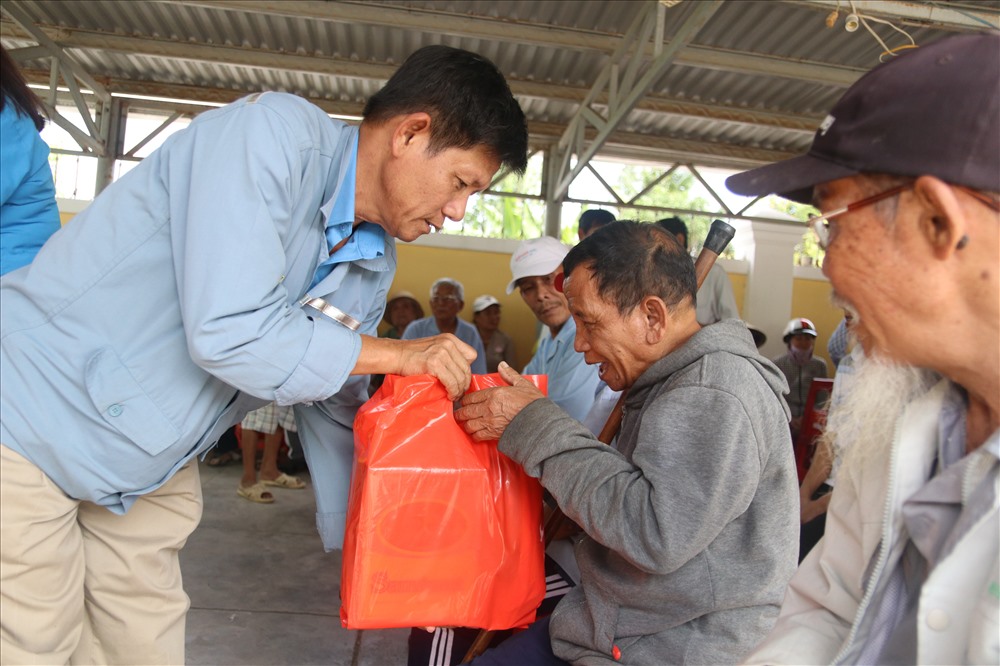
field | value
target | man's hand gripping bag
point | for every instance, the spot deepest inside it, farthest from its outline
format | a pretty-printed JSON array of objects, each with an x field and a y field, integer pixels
[{"x": 441, "y": 530}]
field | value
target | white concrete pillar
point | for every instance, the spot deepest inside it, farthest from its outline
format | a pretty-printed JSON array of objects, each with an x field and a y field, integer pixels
[{"x": 769, "y": 247}]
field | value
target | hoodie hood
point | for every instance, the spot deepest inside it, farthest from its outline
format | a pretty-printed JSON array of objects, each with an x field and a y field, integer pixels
[{"x": 730, "y": 336}]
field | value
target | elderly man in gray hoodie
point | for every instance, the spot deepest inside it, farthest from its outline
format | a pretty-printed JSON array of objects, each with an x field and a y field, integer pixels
[{"x": 690, "y": 521}]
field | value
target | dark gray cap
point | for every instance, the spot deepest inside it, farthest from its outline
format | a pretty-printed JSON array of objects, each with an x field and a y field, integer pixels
[{"x": 932, "y": 111}]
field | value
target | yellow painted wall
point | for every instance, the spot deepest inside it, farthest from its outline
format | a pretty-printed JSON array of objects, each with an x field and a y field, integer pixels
[
  {"x": 739, "y": 284},
  {"x": 488, "y": 273},
  {"x": 480, "y": 273}
]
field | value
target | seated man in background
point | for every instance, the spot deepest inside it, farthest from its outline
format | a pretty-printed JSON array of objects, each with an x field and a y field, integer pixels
[
  {"x": 401, "y": 310},
  {"x": 592, "y": 220},
  {"x": 498, "y": 345},
  {"x": 836, "y": 346},
  {"x": 800, "y": 367},
  {"x": 691, "y": 520},
  {"x": 715, "y": 297},
  {"x": 906, "y": 171},
  {"x": 447, "y": 300},
  {"x": 573, "y": 384}
]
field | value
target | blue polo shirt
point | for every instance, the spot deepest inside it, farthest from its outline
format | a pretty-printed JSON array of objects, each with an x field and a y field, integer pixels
[{"x": 573, "y": 385}]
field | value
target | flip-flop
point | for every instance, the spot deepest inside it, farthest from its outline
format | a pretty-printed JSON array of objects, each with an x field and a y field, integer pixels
[
  {"x": 255, "y": 493},
  {"x": 285, "y": 481}
]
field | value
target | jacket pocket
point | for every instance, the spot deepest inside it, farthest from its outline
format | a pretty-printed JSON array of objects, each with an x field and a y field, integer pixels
[{"x": 124, "y": 406}]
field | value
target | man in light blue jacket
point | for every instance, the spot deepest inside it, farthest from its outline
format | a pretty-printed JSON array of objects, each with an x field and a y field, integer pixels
[
  {"x": 573, "y": 385},
  {"x": 246, "y": 261}
]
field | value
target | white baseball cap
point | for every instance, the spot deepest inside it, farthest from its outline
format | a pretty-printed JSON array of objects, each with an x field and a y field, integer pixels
[
  {"x": 539, "y": 256},
  {"x": 483, "y": 302},
  {"x": 796, "y": 326}
]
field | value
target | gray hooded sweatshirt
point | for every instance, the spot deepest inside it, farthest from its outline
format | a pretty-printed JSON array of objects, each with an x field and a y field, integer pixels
[{"x": 691, "y": 523}]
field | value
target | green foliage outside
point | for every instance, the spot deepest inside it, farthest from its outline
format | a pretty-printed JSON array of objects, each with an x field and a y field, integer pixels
[
  {"x": 498, "y": 216},
  {"x": 808, "y": 252},
  {"x": 678, "y": 190}
]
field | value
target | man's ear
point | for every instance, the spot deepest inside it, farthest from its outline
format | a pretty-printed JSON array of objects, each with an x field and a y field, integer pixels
[
  {"x": 655, "y": 317},
  {"x": 409, "y": 131},
  {"x": 943, "y": 222}
]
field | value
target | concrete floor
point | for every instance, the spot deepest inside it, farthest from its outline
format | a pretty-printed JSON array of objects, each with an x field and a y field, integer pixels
[{"x": 262, "y": 589}]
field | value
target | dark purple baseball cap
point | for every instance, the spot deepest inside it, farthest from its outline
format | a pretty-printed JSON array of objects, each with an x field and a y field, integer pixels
[{"x": 932, "y": 111}]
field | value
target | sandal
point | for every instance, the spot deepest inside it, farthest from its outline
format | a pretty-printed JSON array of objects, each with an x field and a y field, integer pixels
[
  {"x": 285, "y": 481},
  {"x": 255, "y": 493}
]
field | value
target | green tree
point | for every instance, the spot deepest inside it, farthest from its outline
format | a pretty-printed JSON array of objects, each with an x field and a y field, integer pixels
[
  {"x": 808, "y": 252},
  {"x": 494, "y": 215}
]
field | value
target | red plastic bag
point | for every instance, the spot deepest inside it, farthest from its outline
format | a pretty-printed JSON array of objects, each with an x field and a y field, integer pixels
[{"x": 441, "y": 530}]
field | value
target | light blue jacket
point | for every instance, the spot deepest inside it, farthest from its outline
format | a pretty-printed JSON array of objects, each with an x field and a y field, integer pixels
[
  {"x": 168, "y": 309},
  {"x": 28, "y": 210},
  {"x": 573, "y": 385}
]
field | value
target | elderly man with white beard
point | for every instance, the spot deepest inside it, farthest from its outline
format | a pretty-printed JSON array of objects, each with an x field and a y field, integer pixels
[{"x": 906, "y": 169}]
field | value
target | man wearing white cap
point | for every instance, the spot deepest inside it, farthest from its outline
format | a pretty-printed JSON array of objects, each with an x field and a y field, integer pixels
[
  {"x": 572, "y": 383},
  {"x": 498, "y": 345}
]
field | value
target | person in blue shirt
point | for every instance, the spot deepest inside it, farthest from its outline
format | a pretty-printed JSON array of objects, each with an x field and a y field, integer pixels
[
  {"x": 447, "y": 300},
  {"x": 245, "y": 261},
  {"x": 836, "y": 346},
  {"x": 28, "y": 210},
  {"x": 573, "y": 385}
]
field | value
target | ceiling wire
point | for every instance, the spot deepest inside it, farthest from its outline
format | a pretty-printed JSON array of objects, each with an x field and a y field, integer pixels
[{"x": 887, "y": 51}]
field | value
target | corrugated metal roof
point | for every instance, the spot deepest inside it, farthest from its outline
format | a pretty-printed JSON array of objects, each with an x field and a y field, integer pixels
[{"x": 733, "y": 98}]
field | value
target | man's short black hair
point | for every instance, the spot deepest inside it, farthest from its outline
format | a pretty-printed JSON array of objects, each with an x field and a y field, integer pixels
[
  {"x": 630, "y": 260},
  {"x": 676, "y": 226},
  {"x": 591, "y": 219},
  {"x": 467, "y": 97}
]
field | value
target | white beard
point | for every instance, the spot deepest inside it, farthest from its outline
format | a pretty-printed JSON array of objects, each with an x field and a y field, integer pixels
[{"x": 862, "y": 425}]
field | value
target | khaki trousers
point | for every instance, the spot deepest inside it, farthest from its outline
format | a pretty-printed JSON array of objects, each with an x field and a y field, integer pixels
[{"x": 81, "y": 585}]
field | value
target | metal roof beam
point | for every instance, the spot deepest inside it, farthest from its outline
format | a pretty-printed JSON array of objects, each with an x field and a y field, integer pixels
[
  {"x": 21, "y": 17},
  {"x": 94, "y": 140},
  {"x": 85, "y": 39},
  {"x": 619, "y": 144},
  {"x": 623, "y": 90},
  {"x": 523, "y": 32}
]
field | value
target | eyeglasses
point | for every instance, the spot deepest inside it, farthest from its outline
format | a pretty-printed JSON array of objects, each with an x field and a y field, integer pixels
[{"x": 820, "y": 224}]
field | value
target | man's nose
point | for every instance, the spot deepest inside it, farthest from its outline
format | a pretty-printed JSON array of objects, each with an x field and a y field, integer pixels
[
  {"x": 455, "y": 209},
  {"x": 547, "y": 292}
]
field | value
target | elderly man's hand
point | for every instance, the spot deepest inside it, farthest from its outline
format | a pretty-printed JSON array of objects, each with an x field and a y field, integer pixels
[{"x": 485, "y": 414}]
